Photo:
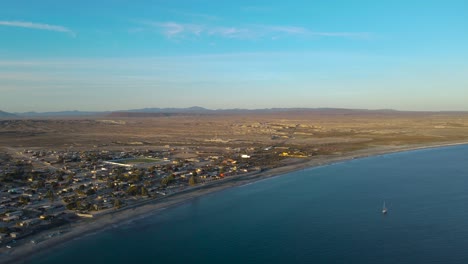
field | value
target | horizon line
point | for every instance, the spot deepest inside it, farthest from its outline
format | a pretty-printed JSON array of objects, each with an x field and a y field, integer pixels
[{"x": 199, "y": 108}]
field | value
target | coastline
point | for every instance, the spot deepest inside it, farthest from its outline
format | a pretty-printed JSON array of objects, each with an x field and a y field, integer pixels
[{"x": 26, "y": 251}]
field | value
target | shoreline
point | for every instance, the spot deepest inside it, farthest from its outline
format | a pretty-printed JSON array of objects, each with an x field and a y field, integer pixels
[{"x": 26, "y": 251}]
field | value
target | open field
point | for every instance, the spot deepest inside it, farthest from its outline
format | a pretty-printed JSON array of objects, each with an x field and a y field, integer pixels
[{"x": 320, "y": 131}]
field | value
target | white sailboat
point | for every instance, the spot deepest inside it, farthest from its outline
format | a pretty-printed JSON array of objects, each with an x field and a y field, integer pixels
[{"x": 384, "y": 209}]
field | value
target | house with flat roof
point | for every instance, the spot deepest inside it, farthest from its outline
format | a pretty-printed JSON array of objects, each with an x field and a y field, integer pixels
[{"x": 10, "y": 218}]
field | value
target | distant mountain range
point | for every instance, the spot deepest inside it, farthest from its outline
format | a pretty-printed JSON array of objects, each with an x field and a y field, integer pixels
[
  {"x": 60, "y": 113},
  {"x": 6, "y": 114},
  {"x": 201, "y": 110},
  {"x": 195, "y": 110}
]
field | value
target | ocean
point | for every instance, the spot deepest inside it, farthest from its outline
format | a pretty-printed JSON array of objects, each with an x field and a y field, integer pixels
[{"x": 329, "y": 214}]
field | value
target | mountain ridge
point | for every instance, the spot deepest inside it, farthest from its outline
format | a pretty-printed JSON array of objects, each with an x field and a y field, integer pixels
[
  {"x": 6, "y": 114},
  {"x": 156, "y": 111}
]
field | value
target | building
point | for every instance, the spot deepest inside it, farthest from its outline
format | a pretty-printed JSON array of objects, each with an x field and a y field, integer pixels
[{"x": 10, "y": 218}]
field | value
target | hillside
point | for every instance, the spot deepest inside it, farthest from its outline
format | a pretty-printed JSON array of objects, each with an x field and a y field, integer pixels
[{"x": 4, "y": 114}]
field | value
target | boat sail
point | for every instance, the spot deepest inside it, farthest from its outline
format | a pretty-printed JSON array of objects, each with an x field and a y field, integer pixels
[{"x": 384, "y": 209}]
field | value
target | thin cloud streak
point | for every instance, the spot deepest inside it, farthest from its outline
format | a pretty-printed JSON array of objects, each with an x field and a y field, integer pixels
[
  {"x": 39, "y": 26},
  {"x": 181, "y": 30},
  {"x": 285, "y": 29}
]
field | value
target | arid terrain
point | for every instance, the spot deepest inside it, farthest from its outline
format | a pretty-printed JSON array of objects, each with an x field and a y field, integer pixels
[
  {"x": 65, "y": 177},
  {"x": 312, "y": 131}
]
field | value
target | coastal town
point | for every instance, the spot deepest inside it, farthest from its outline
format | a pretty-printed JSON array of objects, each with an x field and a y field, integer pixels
[
  {"x": 65, "y": 178},
  {"x": 42, "y": 190}
]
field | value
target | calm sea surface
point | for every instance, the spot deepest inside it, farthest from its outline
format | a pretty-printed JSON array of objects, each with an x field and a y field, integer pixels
[{"x": 330, "y": 214}]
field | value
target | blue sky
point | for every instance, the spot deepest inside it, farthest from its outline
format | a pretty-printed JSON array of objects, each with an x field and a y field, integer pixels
[{"x": 113, "y": 55}]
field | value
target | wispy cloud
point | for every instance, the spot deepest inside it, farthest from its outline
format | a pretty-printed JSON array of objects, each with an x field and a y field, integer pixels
[
  {"x": 183, "y": 30},
  {"x": 232, "y": 32},
  {"x": 285, "y": 29},
  {"x": 39, "y": 26},
  {"x": 172, "y": 29}
]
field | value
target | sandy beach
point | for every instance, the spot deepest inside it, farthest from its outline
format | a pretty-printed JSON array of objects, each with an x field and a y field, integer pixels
[{"x": 24, "y": 250}]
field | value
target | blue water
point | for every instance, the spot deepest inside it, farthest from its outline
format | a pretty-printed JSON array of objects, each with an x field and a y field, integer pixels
[{"x": 330, "y": 214}]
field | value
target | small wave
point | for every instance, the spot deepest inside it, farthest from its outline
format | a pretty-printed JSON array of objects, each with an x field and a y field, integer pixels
[
  {"x": 90, "y": 234},
  {"x": 244, "y": 185}
]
